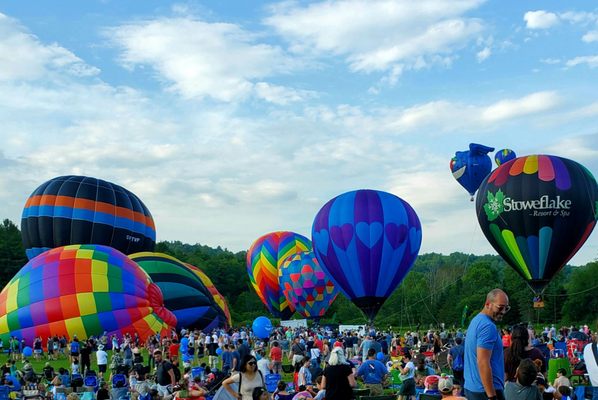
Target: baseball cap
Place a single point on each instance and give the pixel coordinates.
(445, 384)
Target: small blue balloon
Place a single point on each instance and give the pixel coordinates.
(27, 351)
(262, 327)
(470, 167)
(380, 356)
(218, 351)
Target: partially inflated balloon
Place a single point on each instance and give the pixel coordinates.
(82, 210)
(470, 167)
(536, 212)
(184, 292)
(503, 156)
(366, 240)
(264, 258)
(218, 298)
(306, 286)
(82, 290)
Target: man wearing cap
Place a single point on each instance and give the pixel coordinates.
(165, 378)
(445, 386)
(102, 360)
(484, 371)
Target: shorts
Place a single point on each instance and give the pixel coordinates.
(75, 353)
(408, 387)
(102, 368)
(37, 351)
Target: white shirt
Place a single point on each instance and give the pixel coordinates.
(102, 357)
(263, 365)
(591, 364)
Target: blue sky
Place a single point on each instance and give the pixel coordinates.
(233, 119)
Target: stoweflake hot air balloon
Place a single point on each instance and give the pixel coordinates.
(537, 211)
(504, 155)
(306, 286)
(264, 258)
(81, 210)
(366, 240)
(185, 295)
(82, 290)
(470, 167)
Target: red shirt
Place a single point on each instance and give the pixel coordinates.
(319, 344)
(276, 354)
(173, 350)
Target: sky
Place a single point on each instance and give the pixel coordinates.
(232, 119)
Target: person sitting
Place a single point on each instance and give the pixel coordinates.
(56, 383)
(447, 389)
(431, 384)
(48, 372)
(561, 379)
(523, 388)
(281, 392)
(259, 393)
(563, 393)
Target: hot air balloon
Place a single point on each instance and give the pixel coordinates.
(366, 240)
(504, 155)
(264, 258)
(537, 211)
(82, 210)
(82, 290)
(470, 167)
(184, 292)
(218, 298)
(306, 286)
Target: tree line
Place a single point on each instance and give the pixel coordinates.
(436, 290)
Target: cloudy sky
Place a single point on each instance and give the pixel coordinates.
(231, 119)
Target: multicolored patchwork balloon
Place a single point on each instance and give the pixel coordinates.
(264, 258)
(184, 292)
(503, 156)
(82, 290)
(306, 286)
(81, 210)
(366, 240)
(218, 298)
(537, 211)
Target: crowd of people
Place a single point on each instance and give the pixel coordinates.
(299, 364)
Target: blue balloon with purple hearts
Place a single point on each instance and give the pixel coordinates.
(470, 167)
(366, 241)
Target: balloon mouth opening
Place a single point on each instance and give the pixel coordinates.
(369, 305)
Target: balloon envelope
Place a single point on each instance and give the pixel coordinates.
(537, 211)
(366, 240)
(306, 286)
(264, 258)
(82, 290)
(262, 327)
(470, 167)
(184, 293)
(503, 156)
(81, 210)
(216, 295)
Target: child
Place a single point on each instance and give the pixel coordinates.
(561, 379)
(563, 393)
(75, 366)
(281, 392)
(524, 388)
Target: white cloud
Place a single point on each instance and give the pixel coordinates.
(24, 57)
(590, 37)
(513, 108)
(281, 95)
(377, 36)
(540, 19)
(200, 59)
(483, 54)
(550, 61)
(591, 61)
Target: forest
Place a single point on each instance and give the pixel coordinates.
(447, 289)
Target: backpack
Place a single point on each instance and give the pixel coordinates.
(458, 362)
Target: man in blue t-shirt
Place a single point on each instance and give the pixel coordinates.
(373, 373)
(484, 364)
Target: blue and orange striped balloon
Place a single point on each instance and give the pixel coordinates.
(81, 210)
(82, 290)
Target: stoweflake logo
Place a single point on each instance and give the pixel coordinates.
(543, 207)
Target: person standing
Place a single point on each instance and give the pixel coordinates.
(484, 371)
(102, 360)
(164, 374)
(373, 373)
(338, 379)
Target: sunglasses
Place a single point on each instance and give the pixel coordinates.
(251, 363)
(504, 309)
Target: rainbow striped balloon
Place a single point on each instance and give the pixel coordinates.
(82, 290)
(264, 258)
(82, 210)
